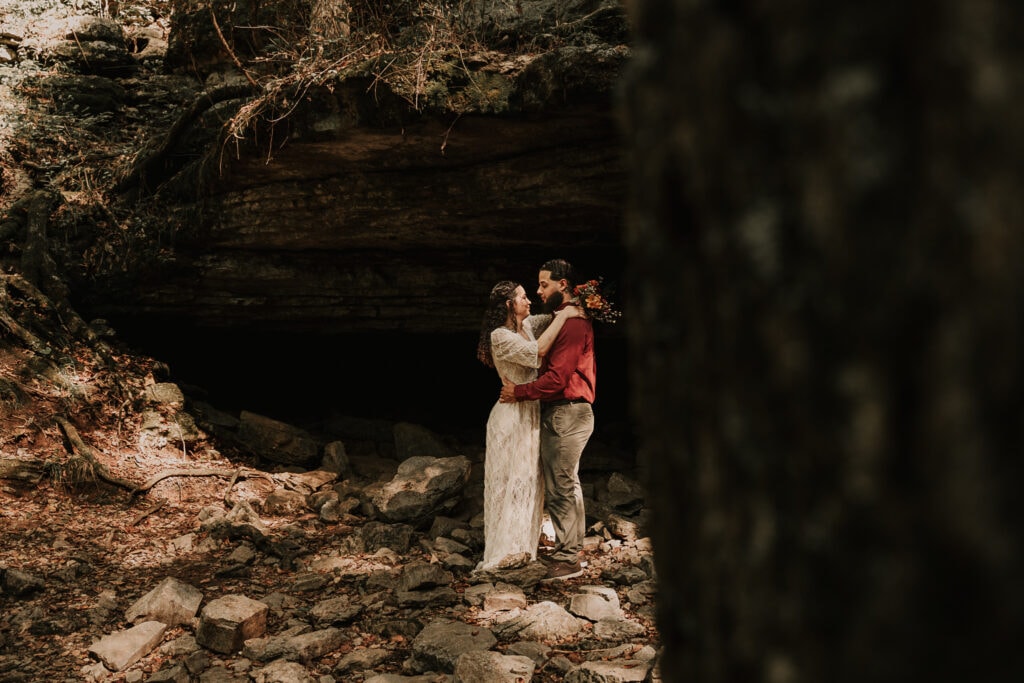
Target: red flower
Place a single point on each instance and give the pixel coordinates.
(593, 302)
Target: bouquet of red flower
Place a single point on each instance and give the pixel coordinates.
(595, 303)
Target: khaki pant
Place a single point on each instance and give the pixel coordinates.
(564, 432)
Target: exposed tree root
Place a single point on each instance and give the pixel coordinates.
(204, 472)
(22, 470)
(11, 327)
(144, 173)
(75, 444)
(36, 264)
(231, 485)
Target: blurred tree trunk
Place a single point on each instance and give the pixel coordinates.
(825, 321)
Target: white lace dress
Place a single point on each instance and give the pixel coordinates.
(513, 484)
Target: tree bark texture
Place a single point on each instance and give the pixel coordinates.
(825, 319)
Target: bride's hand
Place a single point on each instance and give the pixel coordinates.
(573, 311)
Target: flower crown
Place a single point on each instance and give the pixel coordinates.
(596, 304)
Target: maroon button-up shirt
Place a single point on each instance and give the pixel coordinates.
(569, 370)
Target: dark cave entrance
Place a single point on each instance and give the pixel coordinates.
(302, 378)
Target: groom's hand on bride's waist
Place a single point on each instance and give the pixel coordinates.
(508, 391)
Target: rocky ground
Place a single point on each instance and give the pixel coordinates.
(356, 565)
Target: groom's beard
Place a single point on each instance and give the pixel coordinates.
(553, 302)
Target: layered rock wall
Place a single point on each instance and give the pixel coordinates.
(362, 210)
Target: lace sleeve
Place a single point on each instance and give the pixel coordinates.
(538, 323)
(508, 346)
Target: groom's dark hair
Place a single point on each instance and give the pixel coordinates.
(561, 270)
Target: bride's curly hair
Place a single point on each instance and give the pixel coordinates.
(498, 306)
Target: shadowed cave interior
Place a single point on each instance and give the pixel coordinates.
(302, 378)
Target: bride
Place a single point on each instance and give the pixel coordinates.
(513, 485)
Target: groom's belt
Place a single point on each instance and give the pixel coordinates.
(564, 402)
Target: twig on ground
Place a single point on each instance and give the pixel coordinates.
(147, 513)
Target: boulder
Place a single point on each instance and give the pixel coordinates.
(226, 623)
(172, 602)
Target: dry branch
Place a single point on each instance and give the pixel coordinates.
(147, 513)
(234, 57)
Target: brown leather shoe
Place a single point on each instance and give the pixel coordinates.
(559, 571)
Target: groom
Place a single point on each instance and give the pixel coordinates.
(565, 388)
